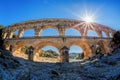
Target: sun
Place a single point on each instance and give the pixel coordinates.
(88, 19)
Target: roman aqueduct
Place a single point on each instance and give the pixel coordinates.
(61, 42)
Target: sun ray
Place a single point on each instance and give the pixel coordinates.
(91, 25)
(79, 24)
(85, 29)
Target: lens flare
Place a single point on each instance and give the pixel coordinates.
(88, 19)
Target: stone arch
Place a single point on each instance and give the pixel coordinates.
(103, 46)
(46, 43)
(107, 34)
(15, 34)
(110, 35)
(104, 34)
(28, 33)
(72, 32)
(18, 50)
(76, 50)
(54, 31)
(43, 44)
(85, 47)
(92, 33)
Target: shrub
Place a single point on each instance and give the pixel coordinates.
(80, 56)
(23, 49)
(48, 53)
(116, 38)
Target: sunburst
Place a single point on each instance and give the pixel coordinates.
(88, 19)
(87, 23)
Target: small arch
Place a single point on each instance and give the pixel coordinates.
(75, 53)
(92, 33)
(15, 34)
(72, 32)
(49, 32)
(110, 35)
(104, 34)
(29, 33)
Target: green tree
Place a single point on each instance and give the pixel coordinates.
(23, 49)
(116, 39)
(115, 42)
(1, 26)
(80, 56)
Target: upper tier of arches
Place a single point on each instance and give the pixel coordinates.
(60, 25)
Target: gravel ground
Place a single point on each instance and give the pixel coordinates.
(106, 68)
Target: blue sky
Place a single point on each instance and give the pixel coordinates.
(106, 12)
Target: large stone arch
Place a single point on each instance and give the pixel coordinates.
(85, 47)
(43, 44)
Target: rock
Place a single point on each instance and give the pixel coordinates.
(105, 68)
(54, 72)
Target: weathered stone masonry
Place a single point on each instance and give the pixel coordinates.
(61, 42)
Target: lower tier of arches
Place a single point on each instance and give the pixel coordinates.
(32, 48)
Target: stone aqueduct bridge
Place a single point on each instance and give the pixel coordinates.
(61, 42)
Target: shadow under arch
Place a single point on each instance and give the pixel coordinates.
(43, 44)
(6, 45)
(85, 47)
(103, 46)
(18, 45)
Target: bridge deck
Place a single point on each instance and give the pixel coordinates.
(80, 37)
